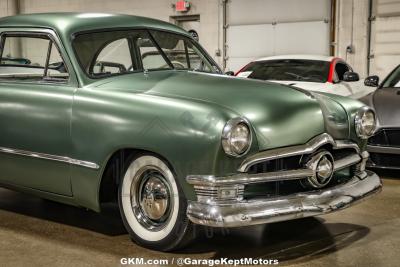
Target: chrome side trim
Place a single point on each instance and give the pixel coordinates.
(245, 178)
(383, 149)
(305, 204)
(308, 148)
(82, 163)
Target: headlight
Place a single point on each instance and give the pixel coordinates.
(365, 123)
(236, 137)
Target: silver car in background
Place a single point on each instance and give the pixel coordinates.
(384, 146)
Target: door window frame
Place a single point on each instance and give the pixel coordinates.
(53, 38)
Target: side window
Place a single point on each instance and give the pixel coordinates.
(182, 53)
(150, 55)
(197, 60)
(56, 66)
(115, 57)
(393, 79)
(31, 57)
(175, 49)
(340, 70)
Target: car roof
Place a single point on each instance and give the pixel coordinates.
(305, 57)
(68, 23)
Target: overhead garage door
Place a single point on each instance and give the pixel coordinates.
(385, 37)
(259, 28)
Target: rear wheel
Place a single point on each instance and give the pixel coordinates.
(153, 206)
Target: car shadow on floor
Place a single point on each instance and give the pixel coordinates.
(285, 241)
(290, 240)
(108, 222)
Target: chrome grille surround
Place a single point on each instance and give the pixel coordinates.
(218, 208)
(207, 185)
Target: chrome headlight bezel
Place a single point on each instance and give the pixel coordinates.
(227, 135)
(358, 122)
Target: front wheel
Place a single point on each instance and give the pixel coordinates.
(153, 206)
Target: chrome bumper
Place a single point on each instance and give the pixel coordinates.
(241, 212)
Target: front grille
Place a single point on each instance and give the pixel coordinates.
(386, 137)
(285, 171)
(281, 164)
(289, 187)
(294, 162)
(385, 160)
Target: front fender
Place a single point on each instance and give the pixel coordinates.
(351, 107)
(185, 132)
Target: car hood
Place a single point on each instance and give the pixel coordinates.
(312, 86)
(280, 115)
(301, 84)
(353, 90)
(385, 102)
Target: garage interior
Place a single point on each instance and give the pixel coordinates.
(366, 33)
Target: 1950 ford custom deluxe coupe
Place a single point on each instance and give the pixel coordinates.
(97, 108)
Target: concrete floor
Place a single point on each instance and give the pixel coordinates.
(36, 232)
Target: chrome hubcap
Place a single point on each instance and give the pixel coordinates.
(154, 198)
(151, 198)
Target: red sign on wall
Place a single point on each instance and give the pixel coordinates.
(182, 6)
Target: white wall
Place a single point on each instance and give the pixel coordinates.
(352, 30)
(260, 28)
(8, 7)
(385, 36)
(352, 25)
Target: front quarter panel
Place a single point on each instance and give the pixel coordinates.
(185, 132)
(351, 108)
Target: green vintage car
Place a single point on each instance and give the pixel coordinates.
(86, 121)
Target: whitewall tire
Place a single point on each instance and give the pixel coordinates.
(152, 205)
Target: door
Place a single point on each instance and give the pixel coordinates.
(385, 37)
(35, 113)
(276, 27)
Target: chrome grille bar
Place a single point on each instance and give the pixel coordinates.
(268, 176)
(308, 148)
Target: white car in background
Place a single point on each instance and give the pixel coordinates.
(309, 72)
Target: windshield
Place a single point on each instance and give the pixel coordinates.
(103, 54)
(288, 70)
(393, 80)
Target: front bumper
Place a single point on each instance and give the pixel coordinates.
(242, 213)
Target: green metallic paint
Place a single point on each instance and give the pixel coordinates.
(176, 114)
(351, 107)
